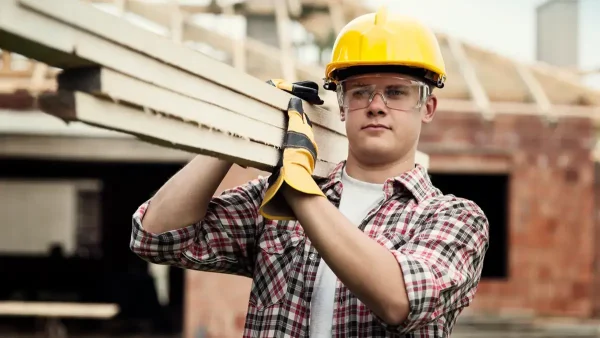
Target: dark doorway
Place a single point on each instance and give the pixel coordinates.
(490, 192)
(112, 273)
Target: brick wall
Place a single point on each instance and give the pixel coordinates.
(550, 223)
(596, 216)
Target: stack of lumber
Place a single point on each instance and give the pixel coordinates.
(122, 77)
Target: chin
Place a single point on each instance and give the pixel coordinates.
(375, 154)
(377, 145)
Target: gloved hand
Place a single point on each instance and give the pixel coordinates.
(296, 165)
(306, 90)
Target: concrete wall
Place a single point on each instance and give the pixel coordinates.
(551, 233)
(36, 214)
(558, 32)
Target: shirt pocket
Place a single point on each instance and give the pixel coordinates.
(279, 250)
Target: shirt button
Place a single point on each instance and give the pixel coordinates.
(312, 257)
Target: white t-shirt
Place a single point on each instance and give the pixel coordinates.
(358, 198)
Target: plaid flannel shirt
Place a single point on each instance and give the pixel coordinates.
(438, 240)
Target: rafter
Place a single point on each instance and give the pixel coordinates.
(466, 69)
(536, 91)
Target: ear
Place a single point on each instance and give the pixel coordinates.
(430, 107)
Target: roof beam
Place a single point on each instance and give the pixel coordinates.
(470, 75)
(536, 91)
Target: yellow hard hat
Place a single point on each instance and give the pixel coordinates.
(385, 39)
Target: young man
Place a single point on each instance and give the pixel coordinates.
(374, 250)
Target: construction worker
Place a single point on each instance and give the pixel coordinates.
(374, 249)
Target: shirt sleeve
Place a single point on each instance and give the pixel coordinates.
(442, 264)
(222, 242)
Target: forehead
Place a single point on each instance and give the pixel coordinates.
(381, 79)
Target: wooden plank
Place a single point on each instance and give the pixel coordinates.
(235, 118)
(263, 56)
(59, 309)
(79, 106)
(131, 50)
(238, 117)
(133, 54)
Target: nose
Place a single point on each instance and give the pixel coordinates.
(377, 105)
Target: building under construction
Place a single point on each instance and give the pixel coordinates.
(518, 139)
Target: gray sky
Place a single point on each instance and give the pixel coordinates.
(514, 33)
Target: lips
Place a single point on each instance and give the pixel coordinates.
(375, 126)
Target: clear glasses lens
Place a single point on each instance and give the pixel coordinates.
(397, 93)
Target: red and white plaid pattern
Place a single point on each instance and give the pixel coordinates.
(439, 241)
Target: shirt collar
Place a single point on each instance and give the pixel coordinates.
(416, 181)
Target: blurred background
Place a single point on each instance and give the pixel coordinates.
(516, 132)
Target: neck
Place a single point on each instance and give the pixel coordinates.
(379, 172)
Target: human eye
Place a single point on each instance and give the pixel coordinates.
(397, 92)
(360, 93)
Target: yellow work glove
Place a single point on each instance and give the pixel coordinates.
(306, 90)
(296, 165)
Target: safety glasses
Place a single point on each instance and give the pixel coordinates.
(399, 93)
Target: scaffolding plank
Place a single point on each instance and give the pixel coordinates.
(96, 111)
(263, 125)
